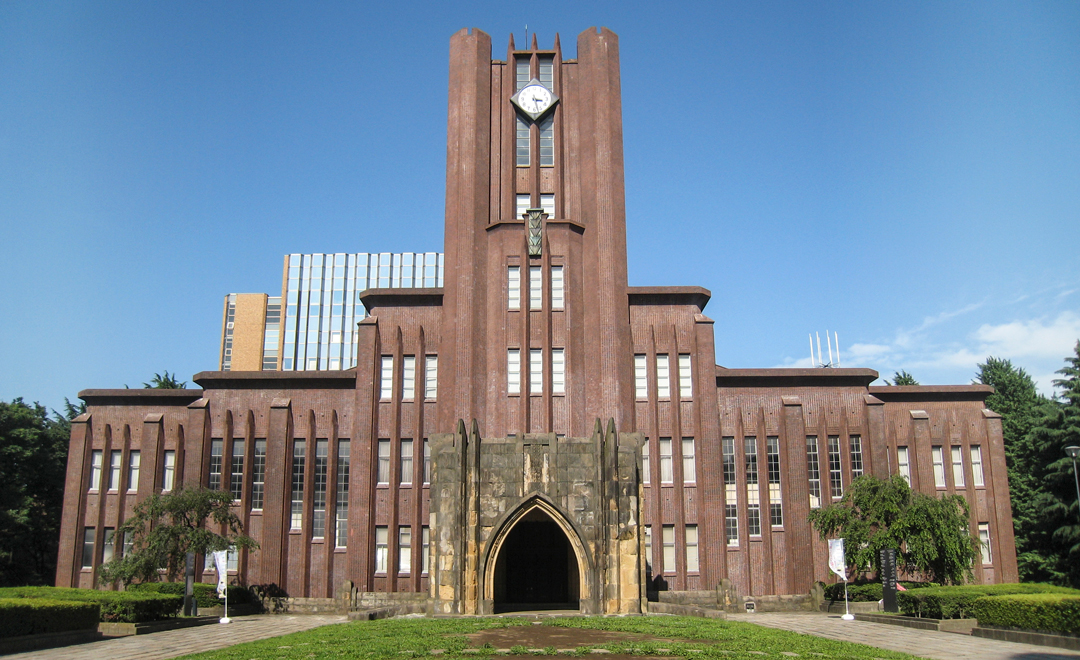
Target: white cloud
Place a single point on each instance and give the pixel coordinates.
(1032, 338)
(867, 351)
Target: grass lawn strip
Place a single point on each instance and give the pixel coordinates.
(678, 637)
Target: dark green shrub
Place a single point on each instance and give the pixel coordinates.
(205, 594)
(116, 606)
(956, 602)
(33, 616)
(861, 591)
(1056, 613)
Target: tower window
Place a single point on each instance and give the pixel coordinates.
(523, 148)
(236, 469)
(689, 466)
(431, 374)
(406, 461)
(536, 287)
(641, 377)
(558, 371)
(686, 382)
(558, 293)
(547, 140)
(513, 280)
(547, 202)
(522, 72)
(523, 202)
(408, 377)
(383, 474)
(547, 72)
(386, 380)
(513, 371)
(666, 475)
(536, 371)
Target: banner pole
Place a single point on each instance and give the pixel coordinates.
(848, 616)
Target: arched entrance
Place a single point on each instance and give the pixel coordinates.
(536, 567)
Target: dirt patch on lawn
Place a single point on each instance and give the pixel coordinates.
(540, 636)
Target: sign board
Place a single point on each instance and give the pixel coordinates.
(888, 579)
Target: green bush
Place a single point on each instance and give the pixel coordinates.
(863, 592)
(116, 606)
(33, 616)
(956, 602)
(205, 594)
(1056, 613)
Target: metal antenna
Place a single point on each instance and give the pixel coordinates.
(526, 35)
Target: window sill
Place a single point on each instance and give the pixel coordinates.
(294, 530)
(318, 539)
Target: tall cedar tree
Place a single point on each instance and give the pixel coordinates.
(902, 377)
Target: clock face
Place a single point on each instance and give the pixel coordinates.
(534, 99)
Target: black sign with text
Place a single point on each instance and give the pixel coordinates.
(888, 580)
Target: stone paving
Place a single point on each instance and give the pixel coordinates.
(924, 643)
(173, 643)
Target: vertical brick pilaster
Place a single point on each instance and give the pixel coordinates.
(276, 493)
(78, 471)
(1003, 542)
(796, 497)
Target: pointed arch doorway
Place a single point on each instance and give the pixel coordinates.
(536, 566)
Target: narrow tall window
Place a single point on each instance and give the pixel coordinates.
(731, 512)
(297, 507)
(524, 141)
(108, 548)
(856, 456)
(383, 476)
(258, 474)
(663, 376)
(386, 381)
(547, 203)
(836, 481)
(318, 490)
(523, 72)
(558, 371)
(215, 464)
(984, 544)
(558, 288)
(977, 467)
(382, 548)
(406, 461)
(645, 464)
(425, 548)
(427, 461)
(772, 462)
(169, 476)
(115, 459)
(95, 469)
(689, 465)
(513, 281)
(88, 547)
(547, 142)
(648, 548)
(536, 371)
(691, 549)
(666, 472)
(753, 494)
(536, 287)
(938, 459)
(686, 382)
(958, 466)
(731, 524)
(134, 461)
(813, 471)
(431, 376)
(524, 201)
(341, 533)
(404, 547)
(641, 377)
(513, 371)
(668, 539)
(127, 545)
(236, 469)
(408, 377)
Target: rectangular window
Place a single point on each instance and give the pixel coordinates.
(938, 460)
(524, 201)
(406, 461)
(813, 471)
(836, 481)
(115, 459)
(536, 371)
(547, 144)
(318, 494)
(646, 466)
(691, 549)
(686, 382)
(427, 461)
(984, 544)
(258, 475)
(856, 456)
(169, 476)
(523, 72)
(977, 466)
(108, 548)
(404, 550)
(425, 548)
(513, 280)
(88, 547)
(753, 494)
(236, 469)
(383, 476)
(513, 371)
(958, 466)
(382, 549)
(772, 464)
(731, 524)
(297, 508)
(547, 203)
(341, 502)
(668, 539)
(689, 465)
(558, 288)
(731, 512)
(523, 142)
(648, 548)
(666, 472)
(408, 377)
(641, 377)
(386, 382)
(431, 378)
(134, 461)
(903, 463)
(95, 469)
(536, 287)
(558, 371)
(127, 545)
(663, 377)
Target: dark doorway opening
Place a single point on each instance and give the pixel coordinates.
(536, 568)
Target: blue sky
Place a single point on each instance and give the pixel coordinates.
(906, 175)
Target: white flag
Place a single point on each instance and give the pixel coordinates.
(836, 558)
(221, 563)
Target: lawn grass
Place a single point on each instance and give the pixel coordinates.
(394, 639)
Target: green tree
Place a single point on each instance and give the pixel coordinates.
(166, 382)
(33, 462)
(165, 527)
(930, 534)
(902, 377)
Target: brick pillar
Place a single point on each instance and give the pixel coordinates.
(796, 491)
(1001, 527)
(68, 561)
(276, 494)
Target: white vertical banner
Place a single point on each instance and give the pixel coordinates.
(836, 558)
(221, 563)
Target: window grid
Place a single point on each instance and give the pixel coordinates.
(648, 548)
(215, 464)
(108, 547)
(903, 464)
(984, 544)
(134, 461)
(524, 140)
(341, 501)
(547, 141)
(408, 377)
(689, 464)
(668, 540)
(836, 480)
(383, 475)
(938, 460)
(116, 457)
(958, 466)
(536, 287)
(686, 382)
(88, 547)
(236, 470)
(666, 471)
(663, 377)
(406, 461)
(96, 459)
(855, 442)
(382, 548)
(318, 495)
(691, 549)
(427, 461)
(536, 371)
(558, 288)
(753, 495)
(386, 380)
(978, 479)
(513, 371)
(431, 377)
(645, 464)
(169, 473)
(641, 377)
(258, 474)
(772, 466)
(296, 511)
(813, 471)
(731, 512)
(404, 550)
(513, 281)
(425, 548)
(558, 371)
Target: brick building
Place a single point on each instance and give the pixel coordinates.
(534, 431)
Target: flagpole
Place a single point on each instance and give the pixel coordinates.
(848, 616)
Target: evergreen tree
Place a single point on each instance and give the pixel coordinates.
(166, 382)
(902, 377)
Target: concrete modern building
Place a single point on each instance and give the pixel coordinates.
(534, 431)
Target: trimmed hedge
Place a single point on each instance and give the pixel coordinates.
(205, 594)
(116, 606)
(34, 616)
(1055, 613)
(864, 592)
(956, 602)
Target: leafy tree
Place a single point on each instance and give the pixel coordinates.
(166, 382)
(33, 462)
(165, 527)
(902, 377)
(930, 534)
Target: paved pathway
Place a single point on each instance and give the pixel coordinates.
(925, 643)
(173, 643)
